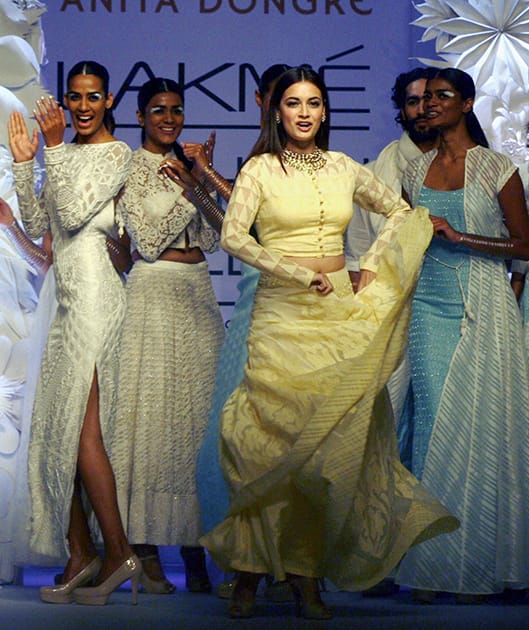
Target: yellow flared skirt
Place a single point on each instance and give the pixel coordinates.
(307, 440)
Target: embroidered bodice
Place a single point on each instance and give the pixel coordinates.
(81, 183)
(299, 214)
(156, 213)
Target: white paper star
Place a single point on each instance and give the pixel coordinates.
(482, 37)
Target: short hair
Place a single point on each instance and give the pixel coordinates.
(398, 91)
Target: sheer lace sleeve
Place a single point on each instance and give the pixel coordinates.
(374, 195)
(238, 220)
(78, 198)
(207, 235)
(154, 209)
(209, 218)
(33, 209)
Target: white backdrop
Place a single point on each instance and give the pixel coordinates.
(216, 48)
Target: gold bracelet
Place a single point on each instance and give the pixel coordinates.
(222, 186)
(214, 215)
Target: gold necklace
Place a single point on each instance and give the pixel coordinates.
(304, 162)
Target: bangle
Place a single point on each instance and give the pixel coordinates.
(31, 253)
(468, 239)
(214, 215)
(222, 186)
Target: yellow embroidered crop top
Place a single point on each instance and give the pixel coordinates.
(297, 214)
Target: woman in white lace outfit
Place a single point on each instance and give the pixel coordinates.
(76, 389)
(172, 334)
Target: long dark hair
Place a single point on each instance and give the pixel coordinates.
(271, 74)
(464, 84)
(273, 138)
(92, 67)
(148, 90)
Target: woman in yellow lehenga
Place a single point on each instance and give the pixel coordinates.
(307, 439)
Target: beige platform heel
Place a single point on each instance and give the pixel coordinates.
(98, 595)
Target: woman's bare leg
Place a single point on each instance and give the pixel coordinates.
(98, 480)
(82, 548)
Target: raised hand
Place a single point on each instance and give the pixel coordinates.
(51, 119)
(209, 146)
(22, 146)
(200, 154)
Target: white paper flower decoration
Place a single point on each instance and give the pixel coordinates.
(21, 55)
(22, 18)
(482, 37)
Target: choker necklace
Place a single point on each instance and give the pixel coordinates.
(304, 162)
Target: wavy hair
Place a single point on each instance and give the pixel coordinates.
(398, 91)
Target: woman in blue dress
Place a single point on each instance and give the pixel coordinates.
(465, 432)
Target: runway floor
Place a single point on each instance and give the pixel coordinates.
(21, 609)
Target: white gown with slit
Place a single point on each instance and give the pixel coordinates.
(78, 205)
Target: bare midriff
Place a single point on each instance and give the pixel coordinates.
(327, 264)
(190, 256)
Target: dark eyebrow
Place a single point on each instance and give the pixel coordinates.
(92, 92)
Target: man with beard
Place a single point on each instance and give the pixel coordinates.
(407, 95)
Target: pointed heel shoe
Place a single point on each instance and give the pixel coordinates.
(63, 593)
(98, 595)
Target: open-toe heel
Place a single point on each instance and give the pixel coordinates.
(242, 604)
(152, 585)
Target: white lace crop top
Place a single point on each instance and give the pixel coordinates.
(156, 213)
(297, 214)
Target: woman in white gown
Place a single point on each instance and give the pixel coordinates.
(76, 389)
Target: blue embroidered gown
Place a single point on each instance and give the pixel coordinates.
(469, 432)
(437, 316)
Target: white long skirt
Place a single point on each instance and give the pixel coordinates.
(171, 340)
